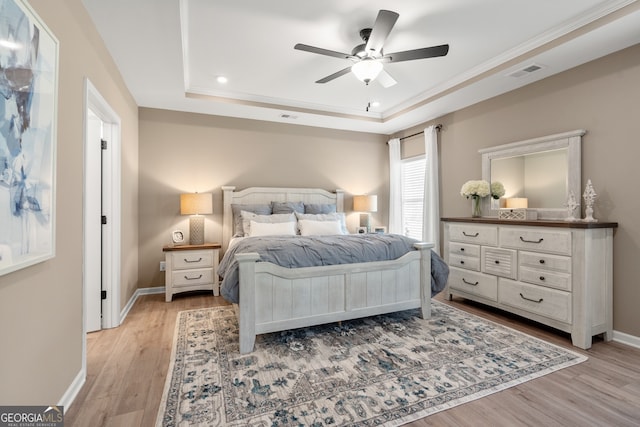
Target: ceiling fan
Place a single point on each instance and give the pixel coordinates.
(369, 57)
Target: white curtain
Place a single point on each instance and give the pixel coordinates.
(395, 187)
(431, 207)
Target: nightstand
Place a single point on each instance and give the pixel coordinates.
(191, 268)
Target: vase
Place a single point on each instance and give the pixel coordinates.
(476, 207)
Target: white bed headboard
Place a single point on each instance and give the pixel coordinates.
(268, 194)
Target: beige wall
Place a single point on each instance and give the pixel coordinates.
(601, 97)
(41, 306)
(182, 152)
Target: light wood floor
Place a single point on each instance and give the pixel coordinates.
(127, 368)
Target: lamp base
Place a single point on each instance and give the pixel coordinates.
(365, 221)
(196, 230)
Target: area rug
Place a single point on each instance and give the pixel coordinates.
(384, 370)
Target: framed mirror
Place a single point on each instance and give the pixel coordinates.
(537, 173)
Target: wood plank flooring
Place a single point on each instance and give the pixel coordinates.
(127, 367)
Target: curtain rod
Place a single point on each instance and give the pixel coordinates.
(438, 128)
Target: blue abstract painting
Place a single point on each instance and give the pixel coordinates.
(28, 102)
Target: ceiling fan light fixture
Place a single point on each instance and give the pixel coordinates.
(367, 70)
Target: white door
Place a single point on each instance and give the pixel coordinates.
(92, 224)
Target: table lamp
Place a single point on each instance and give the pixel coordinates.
(196, 205)
(366, 204)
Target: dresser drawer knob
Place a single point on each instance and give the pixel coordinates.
(532, 300)
(193, 278)
(497, 261)
(193, 260)
(531, 241)
(469, 283)
(461, 249)
(541, 261)
(542, 278)
(470, 235)
(461, 262)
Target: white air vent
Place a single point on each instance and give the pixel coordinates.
(288, 116)
(526, 70)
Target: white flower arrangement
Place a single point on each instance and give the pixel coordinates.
(497, 189)
(475, 189)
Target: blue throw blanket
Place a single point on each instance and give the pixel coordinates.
(311, 251)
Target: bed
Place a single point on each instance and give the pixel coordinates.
(275, 298)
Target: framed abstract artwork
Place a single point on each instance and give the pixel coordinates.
(28, 118)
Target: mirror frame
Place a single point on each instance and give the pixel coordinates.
(570, 140)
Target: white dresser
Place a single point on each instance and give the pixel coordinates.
(554, 272)
(191, 268)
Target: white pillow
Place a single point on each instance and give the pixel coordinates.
(247, 217)
(272, 229)
(309, 227)
(336, 216)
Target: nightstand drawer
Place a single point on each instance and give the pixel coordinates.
(200, 276)
(192, 259)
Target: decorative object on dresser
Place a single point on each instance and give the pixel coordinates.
(557, 273)
(196, 205)
(589, 196)
(365, 204)
(572, 204)
(476, 190)
(516, 208)
(386, 370)
(191, 268)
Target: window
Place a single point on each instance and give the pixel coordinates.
(413, 170)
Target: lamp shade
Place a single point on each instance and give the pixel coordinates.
(196, 203)
(365, 203)
(367, 69)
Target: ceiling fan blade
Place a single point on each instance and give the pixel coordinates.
(381, 28)
(335, 75)
(385, 79)
(409, 55)
(321, 51)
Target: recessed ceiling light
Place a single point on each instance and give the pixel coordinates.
(375, 104)
(222, 79)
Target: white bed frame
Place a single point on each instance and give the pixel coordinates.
(274, 298)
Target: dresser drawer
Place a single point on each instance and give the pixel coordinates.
(474, 283)
(550, 303)
(464, 249)
(192, 259)
(501, 262)
(474, 233)
(546, 278)
(469, 263)
(194, 277)
(540, 261)
(536, 239)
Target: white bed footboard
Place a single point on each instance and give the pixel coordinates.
(274, 298)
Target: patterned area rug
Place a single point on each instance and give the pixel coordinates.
(383, 370)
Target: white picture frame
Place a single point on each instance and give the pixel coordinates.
(27, 138)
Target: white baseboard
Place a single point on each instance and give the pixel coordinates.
(73, 390)
(627, 339)
(135, 296)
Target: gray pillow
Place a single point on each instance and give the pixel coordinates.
(286, 207)
(236, 208)
(319, 208)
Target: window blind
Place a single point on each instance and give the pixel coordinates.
(413, 171)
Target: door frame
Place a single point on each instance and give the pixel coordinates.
(111, 206)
